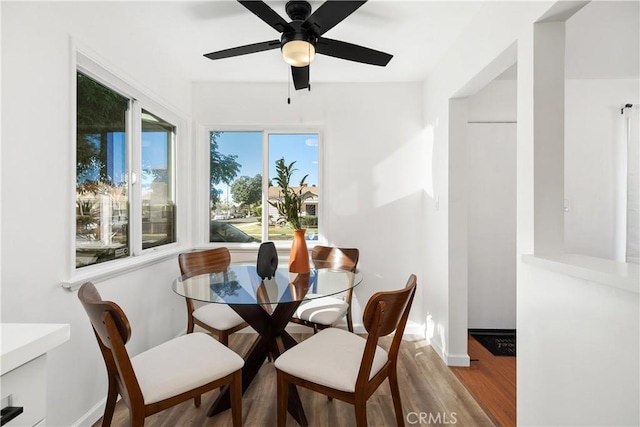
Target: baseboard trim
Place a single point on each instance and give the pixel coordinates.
(438, 348)
(450, 359)
(93, 415)
(458, 360)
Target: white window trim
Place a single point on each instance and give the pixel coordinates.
(202, 207)
(83, 60)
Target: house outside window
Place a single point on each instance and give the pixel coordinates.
(123, 206)
(242, 168)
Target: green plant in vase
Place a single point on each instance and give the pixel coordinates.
(289, 206)
(290, 203)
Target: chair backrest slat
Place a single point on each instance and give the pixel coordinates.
(385, 312)
(335, 258)
(97, 309)
(395, 305)
(207, 261)
(112, 330)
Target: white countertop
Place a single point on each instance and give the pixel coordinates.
(619, 275)
(23, 342)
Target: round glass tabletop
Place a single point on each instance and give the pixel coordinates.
(240, 284)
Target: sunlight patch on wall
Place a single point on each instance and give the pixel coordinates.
(403, 172)
(441, 336)
(430, 327)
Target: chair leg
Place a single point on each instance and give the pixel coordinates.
(395, 395)
(349, 320)
(190, 324)
(283, 388)
(136, 417)
(197, 401)
(360, 406)
(223, 337)
(236, 399)
(112, 396)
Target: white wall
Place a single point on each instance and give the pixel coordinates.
(595, 135)
(481, 53)
(492, 226)
(491, 151)
(578, 352)
(594, 378)
(496, 102)
(602, 67)
(372, 168)
(38, 196)
(548, 304)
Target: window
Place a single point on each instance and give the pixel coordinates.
(158, 215)
(106, 198)
(239, 195)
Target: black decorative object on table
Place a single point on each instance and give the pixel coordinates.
(267, 260)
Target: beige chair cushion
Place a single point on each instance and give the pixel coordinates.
(218, 316)
(182, 364)
(324, 310)
(331, 358)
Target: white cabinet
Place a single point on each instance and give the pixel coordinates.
(23, 364)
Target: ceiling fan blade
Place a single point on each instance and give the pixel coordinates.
(243, 50)
(300, 77)
(352, 52)
(268, 15)
(329, 14)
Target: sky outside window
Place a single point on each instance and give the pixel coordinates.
(303, 148)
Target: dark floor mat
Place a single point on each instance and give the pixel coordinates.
(499, 343)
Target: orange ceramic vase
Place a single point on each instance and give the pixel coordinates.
(299, 256)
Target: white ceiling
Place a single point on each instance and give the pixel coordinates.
(417, 33)
(602, 39)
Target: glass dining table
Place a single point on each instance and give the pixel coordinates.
(266, 305)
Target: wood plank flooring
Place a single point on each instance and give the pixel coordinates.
(492, 381)
(429, 389)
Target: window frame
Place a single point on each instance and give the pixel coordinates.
(139, 100)
(203, 170)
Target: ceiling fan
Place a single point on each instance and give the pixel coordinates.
(302, 38)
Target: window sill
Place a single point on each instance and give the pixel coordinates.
(619, 275)
(102, 272)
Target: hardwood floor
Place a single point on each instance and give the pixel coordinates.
(430, 392)
(492, 381)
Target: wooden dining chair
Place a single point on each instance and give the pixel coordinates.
(218, 319)
(346, 366)
(173, 372)
(324, 312)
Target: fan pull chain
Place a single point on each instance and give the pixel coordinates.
(309, 56)
(288, 87)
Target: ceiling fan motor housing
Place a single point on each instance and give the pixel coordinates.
(298, 10)
(298, 33)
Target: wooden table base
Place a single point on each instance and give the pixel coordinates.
(273, 340)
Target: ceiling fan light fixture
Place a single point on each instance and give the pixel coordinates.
(298, 53)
